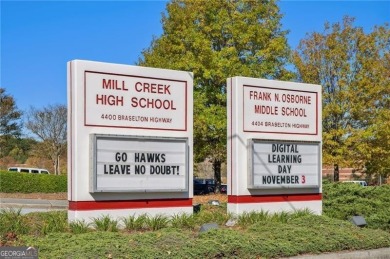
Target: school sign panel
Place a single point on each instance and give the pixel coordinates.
(139, 164)
(274, 145)
(276, 165)
(130, 140)
(135, 101)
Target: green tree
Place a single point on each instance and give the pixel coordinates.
(49, 124)
(216, 40)
(20, 148)
(9, 122)
(353, 68)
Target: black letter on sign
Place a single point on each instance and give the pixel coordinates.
(119, 157)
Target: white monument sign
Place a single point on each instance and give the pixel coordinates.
(274, 145)
(129, 140)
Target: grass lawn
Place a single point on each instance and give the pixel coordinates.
(254, 235)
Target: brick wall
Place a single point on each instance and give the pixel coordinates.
(345, 174)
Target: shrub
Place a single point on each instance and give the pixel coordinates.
(12, 182)
(133, 222)
(79, 226)
(12, 221)
(211, 213)
(250, 218)
(105, 223)
(129, 222)
(54, 222)
(157, 222)
(183, 220)
(342, 201)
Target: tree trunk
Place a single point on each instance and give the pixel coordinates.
(217, 174)
(56, 161)
(58, 164)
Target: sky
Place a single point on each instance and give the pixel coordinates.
(38, 38)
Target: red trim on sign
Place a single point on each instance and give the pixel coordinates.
(274, 198)
(132, 204)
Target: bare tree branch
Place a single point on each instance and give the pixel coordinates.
(50, 125)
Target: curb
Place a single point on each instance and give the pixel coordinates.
(381, 253)
(33, 204)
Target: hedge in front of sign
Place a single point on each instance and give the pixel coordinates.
(12, 182)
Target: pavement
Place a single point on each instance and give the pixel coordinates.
(381, 253)
(34, 205)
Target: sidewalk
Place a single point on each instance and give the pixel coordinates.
(381, 253)
(31, 205)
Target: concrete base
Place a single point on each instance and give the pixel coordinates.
(118, 214)
(275, 207)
